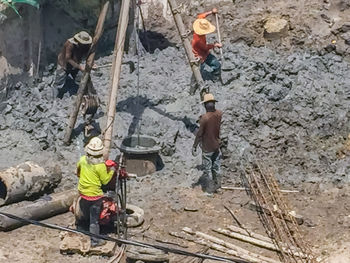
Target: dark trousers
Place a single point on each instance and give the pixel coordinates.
(214, 68)
(211, 162)
(68, 81)
(90, 216)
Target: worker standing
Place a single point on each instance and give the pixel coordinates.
(201, 49)
(92, 173)
(208, 137)
(68, 62)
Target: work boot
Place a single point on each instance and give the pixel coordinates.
(95, 229)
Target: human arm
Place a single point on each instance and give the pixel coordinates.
(69, 57)
(105, 175)
(200, 132)
(211, 12)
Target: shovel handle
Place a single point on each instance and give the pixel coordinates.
(218, 32)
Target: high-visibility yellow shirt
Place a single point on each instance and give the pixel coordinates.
(92, 177)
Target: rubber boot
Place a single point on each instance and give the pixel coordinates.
(95, 229)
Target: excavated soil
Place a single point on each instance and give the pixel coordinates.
(285, 103)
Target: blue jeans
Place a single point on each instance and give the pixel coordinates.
(211, 168)
(215, 66)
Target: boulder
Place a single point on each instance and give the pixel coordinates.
(275, 28)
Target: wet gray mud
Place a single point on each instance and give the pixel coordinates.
(287, 110)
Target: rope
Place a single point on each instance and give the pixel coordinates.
(124, 241)
(137, 39)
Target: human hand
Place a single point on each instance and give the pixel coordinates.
(82, 67)
(214, 11)
(94, 67)
(219, 45)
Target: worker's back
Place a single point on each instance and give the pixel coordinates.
(211, 122)
(92, 177)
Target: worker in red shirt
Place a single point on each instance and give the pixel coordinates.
(201, 49)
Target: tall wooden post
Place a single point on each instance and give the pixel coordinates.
(116, 68)
(186, 42)
(84, 81)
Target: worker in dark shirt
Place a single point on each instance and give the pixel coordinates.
(208, 137)
(68, 62)
(201, 49)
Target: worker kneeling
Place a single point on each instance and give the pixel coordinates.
(93, 174)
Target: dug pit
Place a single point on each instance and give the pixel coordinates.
(141, 154)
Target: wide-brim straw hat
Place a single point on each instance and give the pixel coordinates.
(83, 37)
(94, 147)
(203, 27)
(208, 97)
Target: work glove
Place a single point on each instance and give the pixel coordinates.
(194, 151)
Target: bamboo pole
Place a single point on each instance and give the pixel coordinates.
(252, 234)
(258, 242)
(186, 42)
(246, 189)
(86, 75)
(116, 68)
(247, 254)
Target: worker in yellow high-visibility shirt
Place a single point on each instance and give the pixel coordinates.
(92, 172)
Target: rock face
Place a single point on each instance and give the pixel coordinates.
(275, 28)
(287, 110)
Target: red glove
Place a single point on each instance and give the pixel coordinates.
(110, 163)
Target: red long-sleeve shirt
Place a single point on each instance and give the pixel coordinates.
(200, 48)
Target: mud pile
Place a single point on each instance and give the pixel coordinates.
(290, 111)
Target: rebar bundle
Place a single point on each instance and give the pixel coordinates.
(277, 216)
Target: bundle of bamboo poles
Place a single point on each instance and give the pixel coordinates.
(275, 215)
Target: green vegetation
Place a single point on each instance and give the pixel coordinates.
(11, 3)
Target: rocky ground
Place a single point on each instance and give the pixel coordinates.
(286, 105)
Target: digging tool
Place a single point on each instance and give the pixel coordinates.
(219, 35)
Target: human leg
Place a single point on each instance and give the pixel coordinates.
(216, 169)
(207, 170)
(215, 66)
(95, 210)
(60, 81)
(82, 222)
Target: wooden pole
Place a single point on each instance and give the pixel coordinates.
(116, 68)
(248, 255)
(258, 242)
(219, 35)
(186, 42)
(86, 75)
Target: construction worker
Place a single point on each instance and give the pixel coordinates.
(201, 49)
(92, 172)
(208, 137)
(68, 63)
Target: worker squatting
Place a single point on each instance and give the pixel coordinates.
(93, 171)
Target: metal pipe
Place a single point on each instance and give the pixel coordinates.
(24, 181)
